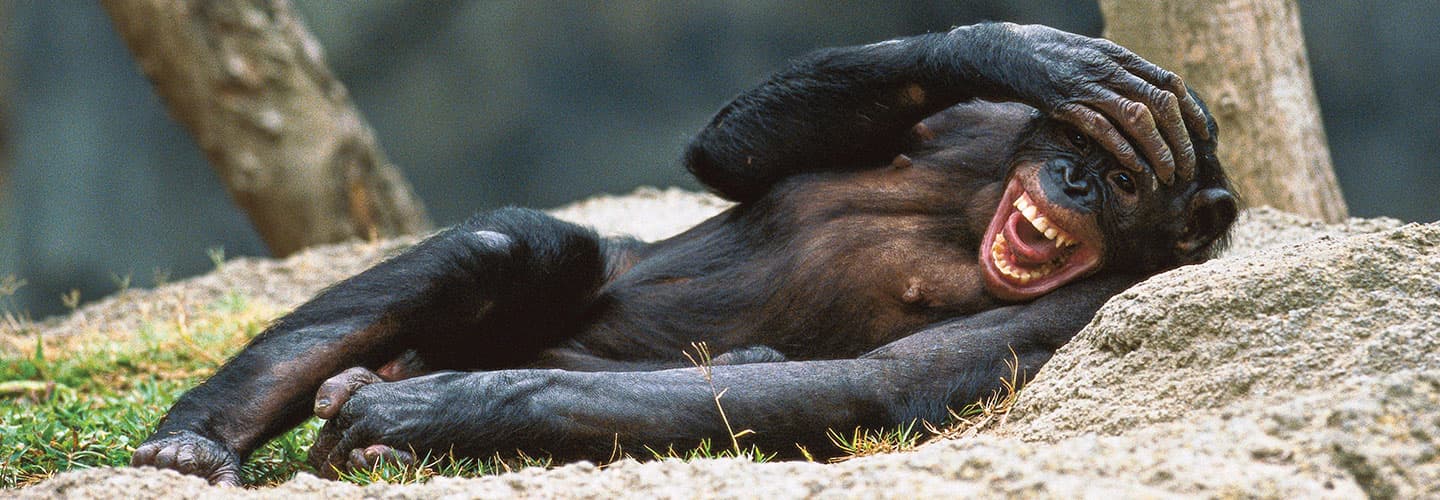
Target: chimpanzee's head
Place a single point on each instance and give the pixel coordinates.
(1070, 210)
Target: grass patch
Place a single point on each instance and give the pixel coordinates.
(86, 400)
(448, 465)
(867, 442)
(706, 450)
(985, 414)
(69, 430)
(961, 424)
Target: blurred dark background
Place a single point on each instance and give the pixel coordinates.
(539, 103)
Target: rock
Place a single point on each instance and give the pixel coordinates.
(1265, 324)
(1302, 363)
(1321, 353)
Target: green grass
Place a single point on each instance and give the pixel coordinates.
(706, 449)
(69, 430)
(86, 400)
(446, 465)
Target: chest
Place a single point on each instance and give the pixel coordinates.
(826, 267)
(845, 291)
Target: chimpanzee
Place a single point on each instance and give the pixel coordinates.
(913, 215)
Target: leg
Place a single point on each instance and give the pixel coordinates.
(490, 293)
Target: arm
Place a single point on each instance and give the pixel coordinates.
(583, 415)
(851, 107)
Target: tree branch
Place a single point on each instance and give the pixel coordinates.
(249, 82)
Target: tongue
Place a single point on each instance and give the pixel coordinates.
(1030, 247)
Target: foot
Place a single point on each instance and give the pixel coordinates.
(190, 453)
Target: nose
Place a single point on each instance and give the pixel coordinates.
(1071, 178)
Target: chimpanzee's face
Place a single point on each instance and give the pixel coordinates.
(1069, 209)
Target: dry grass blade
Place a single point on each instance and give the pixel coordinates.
(12, 322)
(703, 361)
(867, 442)
(964, 423)
(985, 414)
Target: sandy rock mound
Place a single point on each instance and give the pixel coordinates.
(1304, 363)
(1268, 325)
(1326, 355)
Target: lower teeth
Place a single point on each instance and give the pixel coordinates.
(998, 252)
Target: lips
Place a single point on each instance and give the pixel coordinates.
(1028, 252)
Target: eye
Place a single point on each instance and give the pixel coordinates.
(1078, 139)
(1123, 181)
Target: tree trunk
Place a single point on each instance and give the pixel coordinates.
(250, 83)
(1247, 59)
(5, 100)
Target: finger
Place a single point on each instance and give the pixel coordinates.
(359, 460)
(1172, 125)
(1190, 110)
(225, 477)
(144, 455)
(337, 390)
(1165, 109)
(397, 456)
(1097, 127)
(325, 442)
(376, 454)
(165, 458)
(187, 459)
(1137, 122)
(339, 457)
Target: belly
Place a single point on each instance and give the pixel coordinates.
(837, 315)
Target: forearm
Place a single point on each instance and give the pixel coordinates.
(851, 107)
(585, 415)
(578, 415)
(835, 108)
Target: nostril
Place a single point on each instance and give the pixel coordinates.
(1075, 182)
(1070, 177)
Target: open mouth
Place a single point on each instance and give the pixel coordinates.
(1028, 251)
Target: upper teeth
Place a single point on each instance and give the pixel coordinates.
(1032, 214)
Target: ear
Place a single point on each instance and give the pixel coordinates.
(1207, 221)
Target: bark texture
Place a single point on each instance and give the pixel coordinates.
(1247, 59)
(5, 100)
(250, 83)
